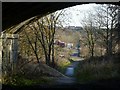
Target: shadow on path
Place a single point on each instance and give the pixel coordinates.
(69, 79)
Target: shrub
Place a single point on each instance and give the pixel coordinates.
(97, 70)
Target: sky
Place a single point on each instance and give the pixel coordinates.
(76, 13)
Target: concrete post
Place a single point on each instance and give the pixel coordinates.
(119, 29)
(0, 64)
(8, 52)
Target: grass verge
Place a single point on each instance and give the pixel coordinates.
(94, 70)
(18, 80)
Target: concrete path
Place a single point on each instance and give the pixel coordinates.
(66, 81)
(69, 79)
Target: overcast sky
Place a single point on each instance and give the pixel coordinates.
(76, 13)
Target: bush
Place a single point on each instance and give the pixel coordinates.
(97, 70)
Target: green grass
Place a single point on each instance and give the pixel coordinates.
(18, 80)
(74, 58)
(63, 65)
(62, 69)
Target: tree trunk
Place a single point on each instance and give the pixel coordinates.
(53, 61)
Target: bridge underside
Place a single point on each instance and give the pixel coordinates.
(15, 12)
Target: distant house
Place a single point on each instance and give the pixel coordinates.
(71, 27)
(69, 45)
(75, 28)
(60, 43)
(63, 44)
(56, 42)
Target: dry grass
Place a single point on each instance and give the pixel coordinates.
(98, 70)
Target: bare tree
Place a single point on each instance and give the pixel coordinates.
(106, 19)
(88, 27)
(44, 30)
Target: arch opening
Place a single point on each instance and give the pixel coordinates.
(48, 40)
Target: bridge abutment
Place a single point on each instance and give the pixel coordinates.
(8, 53)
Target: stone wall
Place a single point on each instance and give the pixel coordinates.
(8, 52)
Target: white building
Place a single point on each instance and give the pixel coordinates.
(69, 45)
